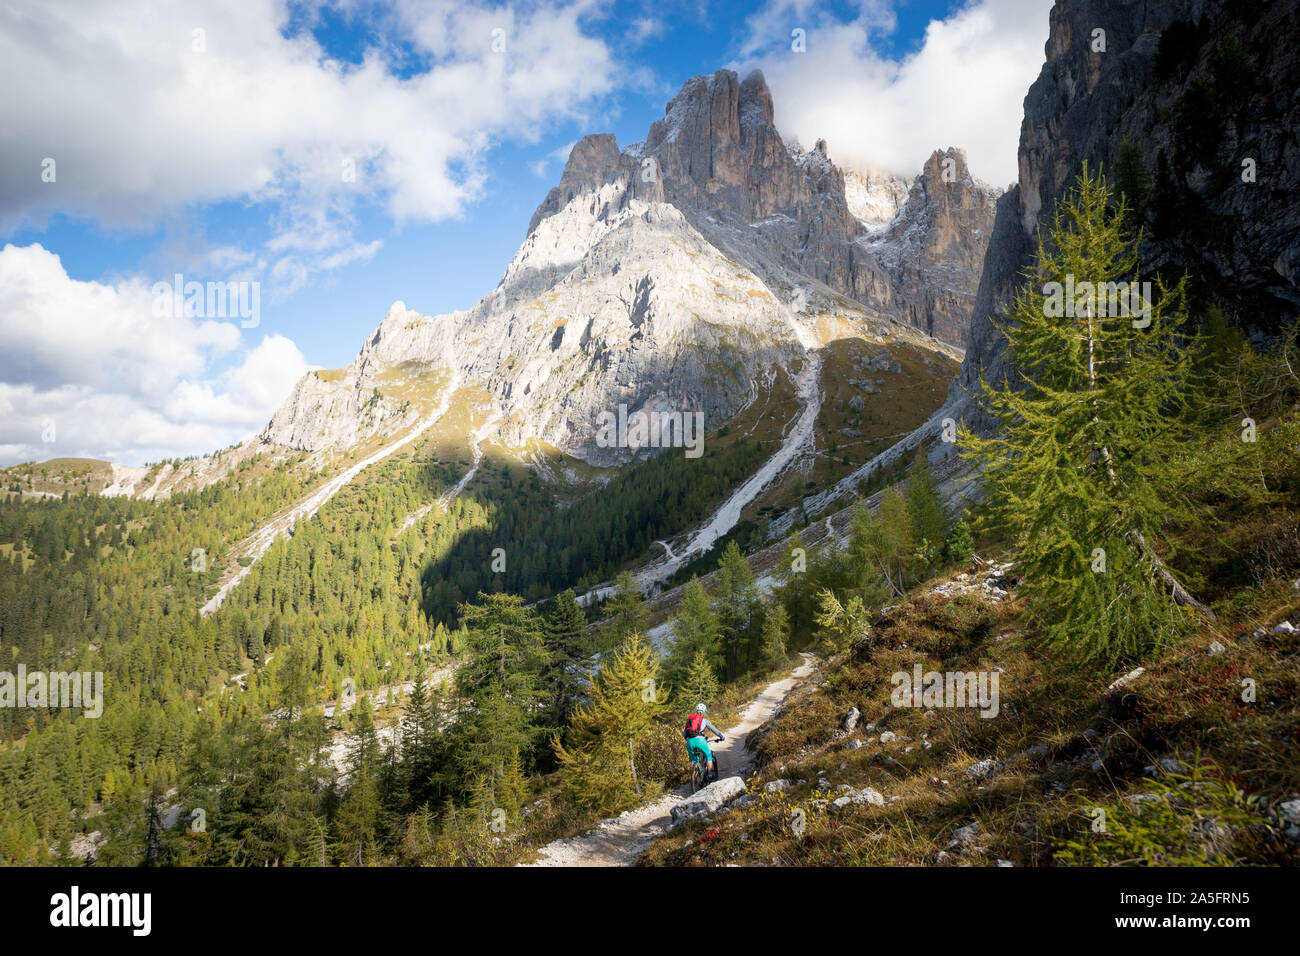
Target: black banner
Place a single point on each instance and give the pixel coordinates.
(380, 906)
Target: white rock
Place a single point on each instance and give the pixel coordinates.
(964, 837)
(708, 801)
(1290, 811)
(869, 795)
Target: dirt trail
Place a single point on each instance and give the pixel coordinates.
(618, 842)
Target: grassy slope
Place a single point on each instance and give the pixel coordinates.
(1090, 749)
(1063, 747)
(59, 475)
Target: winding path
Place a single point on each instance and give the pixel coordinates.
(621, 840)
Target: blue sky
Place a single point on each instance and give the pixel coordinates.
(206, 143)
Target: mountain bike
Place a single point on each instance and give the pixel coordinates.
(699, 773)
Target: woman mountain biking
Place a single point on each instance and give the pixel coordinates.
(697, 741)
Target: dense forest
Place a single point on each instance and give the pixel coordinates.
(354, 595)
(547, 549)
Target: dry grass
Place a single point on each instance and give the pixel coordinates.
(1090, 751)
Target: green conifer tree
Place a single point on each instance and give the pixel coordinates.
(599, 765)
(925, 514)
(625, 612)
(797, 593)
(700, 683)
(776, 634)
(695, 632)
(1086, 423)
(571, 650)
(737, 607)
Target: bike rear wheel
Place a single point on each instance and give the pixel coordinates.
(699, 775)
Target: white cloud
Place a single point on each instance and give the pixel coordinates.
(357, 252)
(118, 380)
(141, 125)
(643, 29)
(964, 87)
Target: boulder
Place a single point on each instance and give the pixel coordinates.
(964, 837)
(1290, 811)
(710, 800)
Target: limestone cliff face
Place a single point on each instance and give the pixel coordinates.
(934, 248)
(784, 211)
(874, 196)
(683, 273)
(1184, 93)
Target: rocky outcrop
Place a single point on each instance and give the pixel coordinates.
(332, 414)
(934, 248)
(685, 274)
(1185, 93)
(874, 197)
(784, 212)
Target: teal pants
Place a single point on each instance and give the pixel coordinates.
(698, 747)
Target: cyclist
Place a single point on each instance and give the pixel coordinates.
(696, 730)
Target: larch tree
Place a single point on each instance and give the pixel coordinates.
(620, 713)
(700, 683)
(736, 605)
(695, 631)
(626, 610)
(1086, 424)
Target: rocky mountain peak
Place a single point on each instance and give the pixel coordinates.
(756, 101)
(783, 211)
(711, 245)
